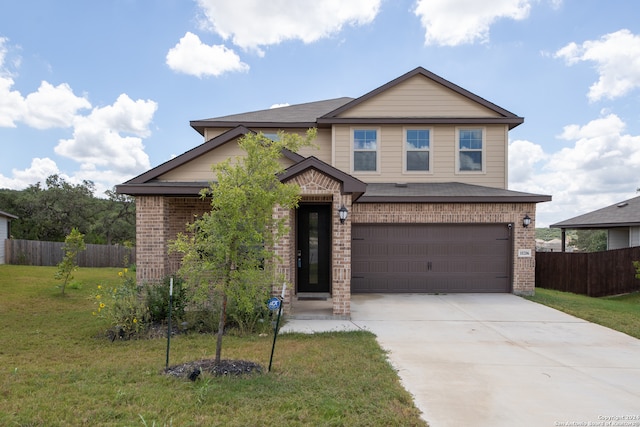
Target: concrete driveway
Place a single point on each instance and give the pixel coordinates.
(499, 360)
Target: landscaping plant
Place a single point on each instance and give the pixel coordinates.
(127, 313)
(73, 245)
(228, 252)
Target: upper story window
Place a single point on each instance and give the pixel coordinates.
(365, 150)
(417, 147)
(470, 150)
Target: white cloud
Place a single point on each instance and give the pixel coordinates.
(523, 157)
(11, 102)
(455, 22)
(107, 143)
(279, 105)
(191, 56)
(49, 107)
(617, 58)
(52, 107)
(252, 24)
(599, 169)
(97, 141)
(38, 171)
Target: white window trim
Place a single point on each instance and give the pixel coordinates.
(484, 150)
(404, 150)
(352, 129)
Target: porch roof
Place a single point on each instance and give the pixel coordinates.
(445, 192)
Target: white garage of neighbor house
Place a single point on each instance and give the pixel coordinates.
(420, 167)
(5, 232)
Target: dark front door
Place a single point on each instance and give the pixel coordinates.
(314, 248)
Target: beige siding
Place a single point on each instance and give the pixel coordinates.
(419, 97)
(199, 169)
(210, 133)
(322, 143)
(443, 150)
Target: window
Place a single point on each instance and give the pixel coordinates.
(470, 150)
(417, 148)
(365, 150)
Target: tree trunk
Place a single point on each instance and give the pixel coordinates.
(221, 323)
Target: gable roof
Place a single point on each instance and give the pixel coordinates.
(445, 192)
(349, 183)
(147, 183)
(505, 116)
(622, 214)
(296, 116)
(327, 112)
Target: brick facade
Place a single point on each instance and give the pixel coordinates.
(320, 188)
(160, 219)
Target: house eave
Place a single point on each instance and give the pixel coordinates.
(596, 226)
(183, 189)
(454, 199)
(200, 126)
(512, 122)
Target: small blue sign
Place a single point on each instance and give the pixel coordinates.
(273, 303)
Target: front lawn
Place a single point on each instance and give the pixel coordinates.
(621, 313)
(57, 369)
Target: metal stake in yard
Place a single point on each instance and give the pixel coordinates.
(169, 329)
(275, 303)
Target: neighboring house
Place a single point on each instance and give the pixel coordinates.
(621, 222)
(5, 231)
(419, 164)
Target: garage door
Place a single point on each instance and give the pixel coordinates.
(391, 258)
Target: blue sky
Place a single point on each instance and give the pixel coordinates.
(105, 90)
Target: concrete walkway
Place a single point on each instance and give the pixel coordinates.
(499, 360)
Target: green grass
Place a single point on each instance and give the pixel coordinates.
(621, 313)
(57, 370)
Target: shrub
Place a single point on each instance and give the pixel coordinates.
(636, 264)
(157, 296)
(127, 313)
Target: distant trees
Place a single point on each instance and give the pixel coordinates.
(49, 212)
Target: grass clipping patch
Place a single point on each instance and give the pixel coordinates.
(192, 370)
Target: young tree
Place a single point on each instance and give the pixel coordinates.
(73, 245)
(228, 251)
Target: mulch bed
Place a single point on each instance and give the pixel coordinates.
(192, 370)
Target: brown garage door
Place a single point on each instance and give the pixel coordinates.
(443, 258)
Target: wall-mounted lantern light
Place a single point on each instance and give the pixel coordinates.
(526, 221)
(343, 212)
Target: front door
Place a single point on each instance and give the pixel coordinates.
(314, 248)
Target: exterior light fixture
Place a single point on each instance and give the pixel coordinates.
(526, 221)
(343, 212)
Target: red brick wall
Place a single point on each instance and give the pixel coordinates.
(159, 219)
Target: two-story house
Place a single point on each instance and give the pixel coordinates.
(407, 192)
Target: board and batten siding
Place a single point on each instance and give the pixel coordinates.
(443, 149)
(419, 97)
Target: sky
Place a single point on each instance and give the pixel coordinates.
(104, 90)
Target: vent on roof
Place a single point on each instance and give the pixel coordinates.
(401, 184)
(622, 205)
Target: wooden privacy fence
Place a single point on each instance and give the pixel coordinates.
(595, 274)
(34, 252)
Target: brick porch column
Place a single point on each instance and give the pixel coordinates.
(151, 239)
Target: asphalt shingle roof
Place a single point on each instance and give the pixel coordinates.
(621, 214)
(307, 112)
(444, 192)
